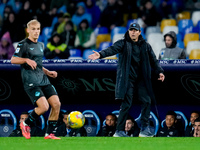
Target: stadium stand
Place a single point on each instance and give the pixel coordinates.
(167, 22)
(194, 54)
(185, 25)
(104, 45)
(190, 37)
(87, 52)
(192, 45)
(116, 37)
(170, 28)
(183, 15)
(152, 29)
(118, 30)
(195, 17)
(102, 38)
(8, 122)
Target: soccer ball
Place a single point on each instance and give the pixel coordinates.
(76, 119)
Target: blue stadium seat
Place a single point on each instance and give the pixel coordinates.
(118, 30)
(101, 30)
(104, 45)
(46, 34)
(8, 122)
(41, 122)
(92, 122)
(153, 120)
(87, 52)
(185, 26)
(180, 117)
(75, 52)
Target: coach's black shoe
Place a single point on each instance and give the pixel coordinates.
(120, 134)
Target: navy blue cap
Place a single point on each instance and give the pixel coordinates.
(135, 26)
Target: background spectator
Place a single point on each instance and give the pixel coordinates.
(69, 34)
(35, 130)
(6, 47)
(85, 37)
(189, 132)
(131, 127)
(94, 11)
(81, 14)
(169, 129)
(171, 51)
(56, 48)
(110, 126)
(197, 127)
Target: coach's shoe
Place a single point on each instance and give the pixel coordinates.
(51, 136)
(25, 130)
(120, 134)
(146, 132)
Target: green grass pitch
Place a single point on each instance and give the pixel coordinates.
(100, 143)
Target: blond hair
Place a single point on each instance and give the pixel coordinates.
(34, 21)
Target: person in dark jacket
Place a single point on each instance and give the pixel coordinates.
(169, 129)
(35, 130)
(171, 51)
(136, 62)
(56, 48)
(189, 131)
(110, 126)
(65, 130)
(131, 127)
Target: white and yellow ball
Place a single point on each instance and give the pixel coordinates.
(76, 119)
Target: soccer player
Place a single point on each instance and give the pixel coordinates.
(29, 54)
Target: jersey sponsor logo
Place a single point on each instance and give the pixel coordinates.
(37, 93)
(31, 48)
(17, 50)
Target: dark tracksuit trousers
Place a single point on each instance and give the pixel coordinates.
(126, 104)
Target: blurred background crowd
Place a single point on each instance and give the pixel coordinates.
(76, 27)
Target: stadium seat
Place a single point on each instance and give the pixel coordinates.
(101, 30)
(118, 30)
(195, 17)
(158, 37)
(8, 122)
(87, 52)
(167, 22)
(185, 26)
(195, 54)
(152, 29)
(183, 15)
(157, 46)
(75, 53)
(170, 28)
(116, 37)
(180, 44)
(181, 118)
(104, 45)
(92, 122)
(192, 45)
(46, 34)
(153, 120)
(190, 37)
(40, 122)
(102, 38)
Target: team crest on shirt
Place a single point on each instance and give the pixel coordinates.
(37, 93)
(17, 50)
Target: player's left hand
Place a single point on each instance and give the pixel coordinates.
(52, 74)
(161, 77)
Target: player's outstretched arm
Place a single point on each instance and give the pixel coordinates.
(94, 56)
(19, 60)
(52, 74)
